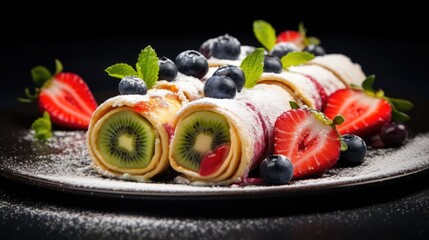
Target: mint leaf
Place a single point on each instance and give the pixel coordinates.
(293, 105)
(58, 66)
(296, 58)
(147, 66)
(42, 127)
(265, 33)
(253, 66)
(368, 83)
(121, 70)
(40, 75)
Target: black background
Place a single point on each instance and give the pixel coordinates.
(386, 43)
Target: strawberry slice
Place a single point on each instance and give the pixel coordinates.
(364, 114)
(212, 160)
(65, 96)
(290, 36)
(308, 139)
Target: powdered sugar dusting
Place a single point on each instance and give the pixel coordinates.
(63, 160)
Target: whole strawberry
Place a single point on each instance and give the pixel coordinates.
(64, 95)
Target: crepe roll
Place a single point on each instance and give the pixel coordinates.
(218, 141)
(129, 135)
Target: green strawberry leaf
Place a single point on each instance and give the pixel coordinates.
(294, 105)
(338, 120)
(296, 58)
(40, 75)
(344, 146)
(401, 104)
(368, 83)
(42, 127)
(307, 40)
(121, 70)
(147, 66)
(58, 66)
(399, 116)
(313, 40)
(265, 33)
(253, 66)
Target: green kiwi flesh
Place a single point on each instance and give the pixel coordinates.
(197, 134)
(126, 140)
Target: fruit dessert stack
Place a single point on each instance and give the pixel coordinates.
(233, 106)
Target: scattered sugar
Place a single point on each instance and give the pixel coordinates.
(64, 160)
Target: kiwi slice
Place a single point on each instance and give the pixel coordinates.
(126, 140)
(197, 134)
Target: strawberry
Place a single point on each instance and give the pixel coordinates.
(290, 36)
(65, 96)
(365, 110)
(212, 160)
(309, 139)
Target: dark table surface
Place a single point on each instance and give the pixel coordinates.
(395, 210)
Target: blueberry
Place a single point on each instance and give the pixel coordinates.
(272, 64)
(317, 50)
(167, 69)
(276, 169)
(282, 49)
(220, 87)
(356, 151)
(394, 134)
(132, 85)
(233, 72)
(192, 63)
(207, 47)
(226, 47)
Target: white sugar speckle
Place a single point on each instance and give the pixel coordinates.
(64, 160)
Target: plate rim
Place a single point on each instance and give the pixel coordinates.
(269, 192)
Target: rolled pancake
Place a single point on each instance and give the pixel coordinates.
(342, 67)
(299, 86)
(329, 81)
(250, 119)
(157, 108)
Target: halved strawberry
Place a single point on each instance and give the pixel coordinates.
(364, 114)
(365, 110)
(308, 139)
(290, 36)
(65, 96)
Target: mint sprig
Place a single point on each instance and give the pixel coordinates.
(147, 68)
(265, 33)
(253, 66)
(42, 127)
(121, 70)
(399, 106)
(296, 59)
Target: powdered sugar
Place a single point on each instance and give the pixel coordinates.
(63, 160)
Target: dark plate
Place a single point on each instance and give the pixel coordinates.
(62, 164)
